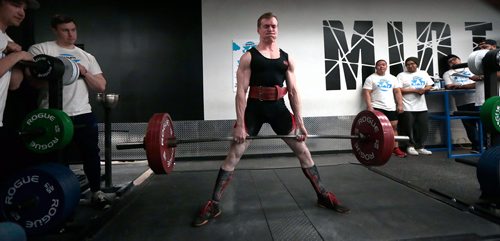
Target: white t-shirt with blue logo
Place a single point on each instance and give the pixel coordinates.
(75, 95)
(382, 87)
(416, 80)
(460, 77)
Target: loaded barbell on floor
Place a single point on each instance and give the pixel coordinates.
(372, 139)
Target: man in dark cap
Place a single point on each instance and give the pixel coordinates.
(488, 44)
(463, 78)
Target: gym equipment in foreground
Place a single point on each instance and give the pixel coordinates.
(48, 67)
(40, 198)
(46, 130)
(490, 114)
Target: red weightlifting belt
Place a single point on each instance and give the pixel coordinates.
(267, 93)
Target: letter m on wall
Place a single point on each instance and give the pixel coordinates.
(354, 61)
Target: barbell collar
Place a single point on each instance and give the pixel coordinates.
(39, 67)
(401, 138)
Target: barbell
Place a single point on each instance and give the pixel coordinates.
(479, 59)
(48, 68)
(372, 140)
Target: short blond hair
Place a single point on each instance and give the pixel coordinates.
(267, 15)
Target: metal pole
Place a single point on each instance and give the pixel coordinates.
(107, 147)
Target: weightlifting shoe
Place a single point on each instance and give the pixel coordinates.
(100, 200)
(208, 211)
(424, 151)
(398, 152)
(411, 151)
(328, 200)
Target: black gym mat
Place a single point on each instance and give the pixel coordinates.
(280, 204)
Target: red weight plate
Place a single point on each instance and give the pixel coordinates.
(161, 157)
(376, 148)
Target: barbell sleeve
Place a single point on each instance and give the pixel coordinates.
(459, 66)
(130, 145)
(27, 63)
(32, 132)
(174, 142)
(401, 138)
(39, 66)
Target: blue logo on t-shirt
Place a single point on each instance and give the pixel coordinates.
(461, 77)
(418, 82)
(384, 85)
(70, 57)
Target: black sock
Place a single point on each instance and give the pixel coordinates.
(221, 183)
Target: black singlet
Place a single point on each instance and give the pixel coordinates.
(268, 72)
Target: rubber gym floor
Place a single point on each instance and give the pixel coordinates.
(269, 198)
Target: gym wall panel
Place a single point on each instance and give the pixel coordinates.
(371, 30)
(149, 53)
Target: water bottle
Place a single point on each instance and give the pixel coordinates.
(437, 83)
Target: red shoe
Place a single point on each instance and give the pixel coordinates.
(398, 152)
(208, 211)
(328, 200)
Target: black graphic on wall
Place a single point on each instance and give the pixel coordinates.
(347, 60)
(426, 40)
(396, 47)
(478, 30)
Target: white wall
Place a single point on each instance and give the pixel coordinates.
(301, 35)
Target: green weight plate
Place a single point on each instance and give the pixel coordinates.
(46, 130)
(486, 113)
(68, 127)
(67, 134)
(495, 115)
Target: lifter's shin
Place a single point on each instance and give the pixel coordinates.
(221, 183)
(313, 175)
(325, 199)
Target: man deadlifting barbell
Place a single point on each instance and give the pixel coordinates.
(264, 69)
